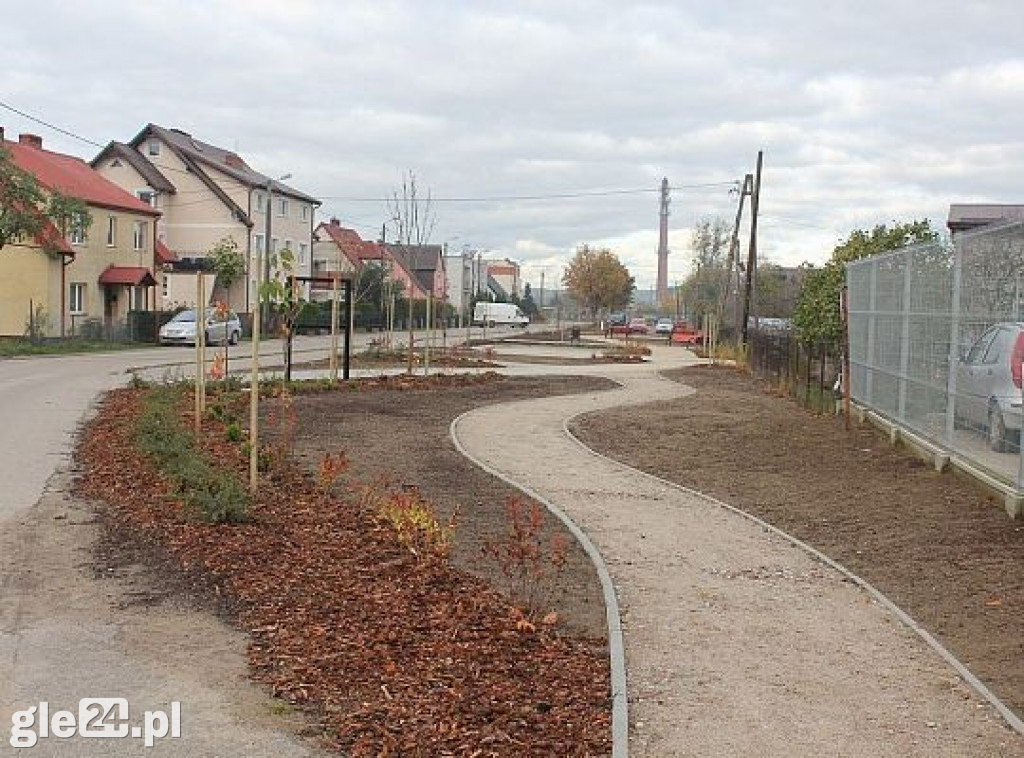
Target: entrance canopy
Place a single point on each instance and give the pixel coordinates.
(131, 276)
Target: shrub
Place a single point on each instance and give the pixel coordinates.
(214, 495)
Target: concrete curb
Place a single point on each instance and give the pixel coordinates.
(1012, 719)
(616, 650)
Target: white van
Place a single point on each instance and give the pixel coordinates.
(494, 314)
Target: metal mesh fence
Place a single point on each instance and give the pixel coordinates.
(936, 343)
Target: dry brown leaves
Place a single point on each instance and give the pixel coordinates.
(388, 655)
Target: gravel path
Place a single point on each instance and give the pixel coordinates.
(736, 642)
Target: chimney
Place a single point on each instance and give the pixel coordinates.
(1, 134)
(32, 140)
(335, 222)
(230, 159)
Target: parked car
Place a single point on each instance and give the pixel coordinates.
(220, 327)
(988, 384)
(638, 326)
(684, 334)
(663, 326)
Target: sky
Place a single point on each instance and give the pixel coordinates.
(867, 112)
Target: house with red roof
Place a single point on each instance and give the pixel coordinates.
(338, 249)
(82, 278)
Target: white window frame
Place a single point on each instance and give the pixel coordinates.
(273, 245)
(257, 201)
(257, 243)
(305, 213)
(139, 235)
(288, 246)
(303, 248)
(111, 231)
(77, 235)
(282, 207)
(153, 147)
(76, 298)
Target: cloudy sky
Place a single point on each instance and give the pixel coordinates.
(867, 112)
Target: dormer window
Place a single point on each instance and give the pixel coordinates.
(154, 147)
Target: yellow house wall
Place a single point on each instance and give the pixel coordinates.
(93, 257)
(28, 278)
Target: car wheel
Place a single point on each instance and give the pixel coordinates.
(233, 339)
(996, 431)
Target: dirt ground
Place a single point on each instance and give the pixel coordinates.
(403, 437)
(936, 544)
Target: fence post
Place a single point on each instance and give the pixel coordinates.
(869, 359)
(954, 344)
(901, 408)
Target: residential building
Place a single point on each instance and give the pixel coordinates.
(339, 249)
(91, 277)
(425, 263)
(206, 194)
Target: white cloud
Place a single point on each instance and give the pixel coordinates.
(867, 112)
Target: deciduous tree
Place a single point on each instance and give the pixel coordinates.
(598, 280)
(26, 208)
(817, 317)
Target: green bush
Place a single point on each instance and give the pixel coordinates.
(214, 495)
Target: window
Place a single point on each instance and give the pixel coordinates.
(139, 235)
(78, 231)
(289, 246)
(302, 252)
(111, 231)
(282, 206)
(148, 197)
(163, 286)
(139, 298)
(154, 147)
(273, 244)
(76, 298)
(257, 243)
(257, 201)
(305, 213)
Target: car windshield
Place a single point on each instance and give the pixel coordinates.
(189, 316)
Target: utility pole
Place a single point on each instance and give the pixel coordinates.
(751, 273)
(540, 303)
(732, 282)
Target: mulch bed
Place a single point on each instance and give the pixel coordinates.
(935, 543)
(390, 654)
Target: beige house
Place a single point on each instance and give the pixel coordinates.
(205, 194)
(84, 280)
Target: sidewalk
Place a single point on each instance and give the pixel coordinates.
(736, 642)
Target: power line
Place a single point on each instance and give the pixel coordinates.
(553, 196)
(50, 126)
(490, 199)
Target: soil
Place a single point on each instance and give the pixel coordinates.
(935, 543)
(403, 438)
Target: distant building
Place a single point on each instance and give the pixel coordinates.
(965, 217)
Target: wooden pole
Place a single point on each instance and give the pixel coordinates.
(411, 340)
(429, 337)
(200, 323)
(755, 203)
(254, 380)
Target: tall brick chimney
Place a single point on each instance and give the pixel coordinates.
(1, 134)
(32, 140)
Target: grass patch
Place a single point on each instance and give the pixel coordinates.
(212, 494)
(12, 348)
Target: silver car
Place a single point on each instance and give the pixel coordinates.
(988, 384)
(221, 326)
